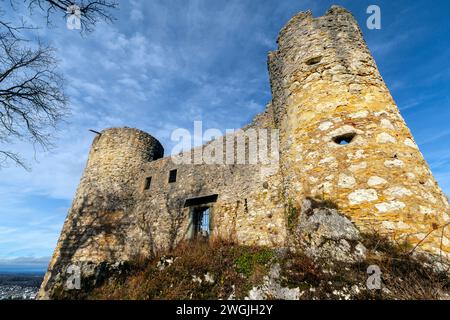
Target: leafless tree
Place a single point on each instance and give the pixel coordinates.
(32, 98)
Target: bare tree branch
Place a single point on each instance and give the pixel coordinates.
(91, 11)
(32, 98)
(7, 156)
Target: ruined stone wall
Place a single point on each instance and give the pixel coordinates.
(115, 219)
(249, 208)
(326, 88)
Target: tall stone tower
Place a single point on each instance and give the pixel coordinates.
(342, 137)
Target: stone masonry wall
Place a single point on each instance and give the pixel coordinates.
(95, 228)
(114, 219)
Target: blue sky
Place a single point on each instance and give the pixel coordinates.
(164, 64)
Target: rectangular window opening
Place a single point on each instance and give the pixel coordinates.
(172, 176)
(148, 183)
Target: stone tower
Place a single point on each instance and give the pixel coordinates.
(342, 137)
(97, 223)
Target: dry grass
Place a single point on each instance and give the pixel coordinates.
(230, 266)
(403, 277)
(236, 269)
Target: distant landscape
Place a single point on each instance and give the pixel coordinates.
(19, 286)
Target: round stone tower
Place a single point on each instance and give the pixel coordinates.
(116, 156)
(113, 169)
(96, 230)
(342, 137)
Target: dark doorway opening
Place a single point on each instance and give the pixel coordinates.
(148, 183)
(200, 222)
(201, 210)
(172, 176)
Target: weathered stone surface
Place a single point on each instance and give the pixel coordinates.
(376, 181)
(113, 218)
(272, 289)
(324, 233)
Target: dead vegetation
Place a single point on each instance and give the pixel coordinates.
(403, 277)
(222, 270)
(193, 270)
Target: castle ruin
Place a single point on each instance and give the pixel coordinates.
(341, 138)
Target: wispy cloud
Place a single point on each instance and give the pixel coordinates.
(434, 137)
(24, 261)
(24, 264)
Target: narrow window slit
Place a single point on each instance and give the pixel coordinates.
(172, 176)
(148, 183)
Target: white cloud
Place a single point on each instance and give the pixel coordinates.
(24, 261)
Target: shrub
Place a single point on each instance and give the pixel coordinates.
(251, 257)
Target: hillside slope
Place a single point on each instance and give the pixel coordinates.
(201, 270)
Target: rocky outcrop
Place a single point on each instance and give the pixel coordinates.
(324, 233)
(271, 289)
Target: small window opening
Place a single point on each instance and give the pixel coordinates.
(344, 138)
(313, 60)
(172, 176)
(200, 222)
(148, 183)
